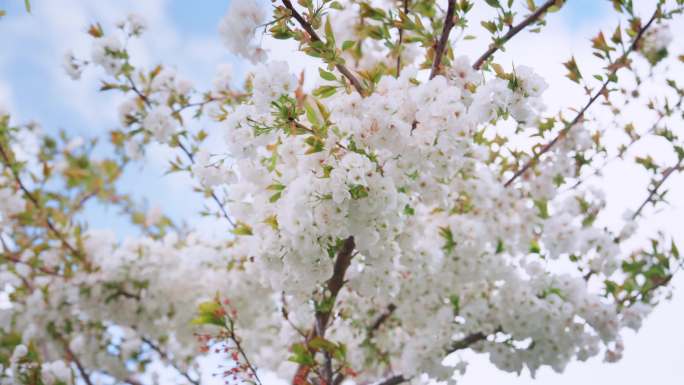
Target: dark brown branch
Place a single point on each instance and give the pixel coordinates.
(443, 39)
(335, 283)
(15, 259)
(333, 286)
(467, 341)
(395, 380)
(512, 32)
(381, 319)
(658, 184)
(314, 37)
(338, 379)
(51, 226)
(602, 91)
(79, 366)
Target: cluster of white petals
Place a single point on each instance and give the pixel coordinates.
(399, 172)
(239, 29)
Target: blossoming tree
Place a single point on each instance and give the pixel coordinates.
(412, 204)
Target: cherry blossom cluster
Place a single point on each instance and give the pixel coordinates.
(381, 220)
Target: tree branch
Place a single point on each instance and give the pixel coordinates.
(444, 39)
(216, 199)
(591, 101)
(512, 32)
(71, 356)
(16, 260)
(185, 150)
(314, 37)
(242, 352)
(333, 285)
(662, 180)
(467, 341)
(51, 226)
(166, 357)
(381, 319)
(394, 380)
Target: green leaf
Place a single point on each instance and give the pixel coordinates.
(311, 115)
(534, 247)
(455, 303)
(209, 312)
(358, 191)
(27, 4)
(322, 344)
(301, 355)
(326, 305)
(274, 198)
(449, 242)
(242, 228)
(489, 26)
(272, 221)
(543, 207)
(499, 247)
(325, 91)
(326, 75)
(347, 44)
(329, 35)
(276, 187)
(611, 287)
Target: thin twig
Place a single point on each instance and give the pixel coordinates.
(658, 184)
(512, 32)
(185, 150)
(166, 357)
(81, 369)
(443, 39)
(314, 37)
(239, 348)
(216, 199)
(401, 39)
(286, 316)
(15, 259)
(591, 101)
(597, 170)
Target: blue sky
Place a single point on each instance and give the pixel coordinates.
(183, 34)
